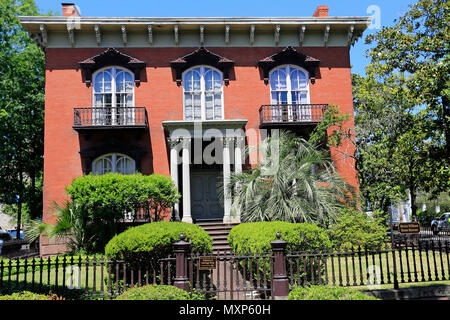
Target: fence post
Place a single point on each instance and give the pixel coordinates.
(181, 249)
(280, 281)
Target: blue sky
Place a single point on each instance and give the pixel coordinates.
(389, 10)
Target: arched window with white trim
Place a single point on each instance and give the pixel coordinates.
(289, 93)
(114, 162)
(113, 97)
(203, 94)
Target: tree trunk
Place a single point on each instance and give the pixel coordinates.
(19, 217)
(19, 206)
(412, 191)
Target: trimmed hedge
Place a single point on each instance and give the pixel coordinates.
(110, 195)
(155, 292)
(153, 241)
(251, 238)
(327, 293)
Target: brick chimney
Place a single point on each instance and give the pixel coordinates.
(321, 11)
(70, 10)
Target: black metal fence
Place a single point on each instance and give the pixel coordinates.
(252, 276)
(420, 261)
(81, 277)
(236, 277)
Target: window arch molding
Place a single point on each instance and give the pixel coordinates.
(111, 57)
(114, 162)
(202, 56)
(291, 56)
(203, 97)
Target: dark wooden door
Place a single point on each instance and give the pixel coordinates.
(205, 202)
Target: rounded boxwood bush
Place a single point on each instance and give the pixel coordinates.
(25, 295)
(153, 241)
(327, 293)
(251, 237)
(255, 237)
(155, 292)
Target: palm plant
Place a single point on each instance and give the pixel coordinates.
(71, 224)
(295, 182)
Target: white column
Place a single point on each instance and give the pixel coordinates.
(226, 179)
(186, 181)
(174, 173)
(238, 146)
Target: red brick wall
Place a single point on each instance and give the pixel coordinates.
(161, 96)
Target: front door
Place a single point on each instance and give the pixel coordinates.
(205, 203)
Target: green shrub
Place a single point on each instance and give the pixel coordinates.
(254, 237)
(251, 237)
(25, 295)
(153, 241)
(155, 292)
(145, 245)
(110, 195)
(354, 229)
(327, 293)
(103, 200)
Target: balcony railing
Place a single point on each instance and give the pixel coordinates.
(273, 114)
(109, 117)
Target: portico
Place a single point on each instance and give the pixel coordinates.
(203, 150)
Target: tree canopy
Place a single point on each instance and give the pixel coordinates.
(22, 83)
(401, 108)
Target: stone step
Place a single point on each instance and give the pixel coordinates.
(218, 231)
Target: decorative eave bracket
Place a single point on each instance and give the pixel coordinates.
(111, 57)
(289, 56)
(199, 57)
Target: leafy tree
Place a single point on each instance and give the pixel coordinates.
(296, 182)
(417, 46)
(21, 110)
(401, 108)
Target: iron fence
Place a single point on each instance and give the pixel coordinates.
(258, 275)
(236, 277)
(81, 277)
(420, 261)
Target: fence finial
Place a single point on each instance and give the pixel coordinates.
(278, 235)
(182, 236)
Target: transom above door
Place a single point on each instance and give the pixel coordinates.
(203, 94)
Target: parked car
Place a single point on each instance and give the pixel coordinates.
(4, 236)
(441, 223)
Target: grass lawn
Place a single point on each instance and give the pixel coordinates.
(415, 269)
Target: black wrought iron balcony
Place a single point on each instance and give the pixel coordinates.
(291, 114)
(109, 118)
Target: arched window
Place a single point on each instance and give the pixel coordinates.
(114, 162)
(113, 97)
(203, 94)
(289, 92)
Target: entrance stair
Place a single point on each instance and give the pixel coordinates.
(219, 233)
